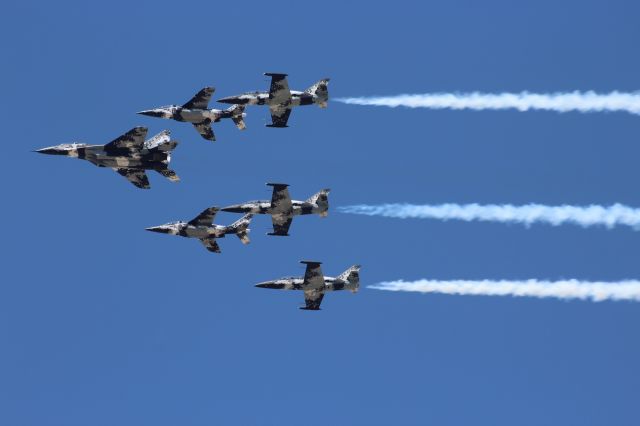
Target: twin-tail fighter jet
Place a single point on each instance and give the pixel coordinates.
(203, 228)
(315, 284)
(197, 113)
(280, 99)
(282, 209)
(129, 155)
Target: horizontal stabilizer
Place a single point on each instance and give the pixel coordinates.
(169, 174)
(275, 74)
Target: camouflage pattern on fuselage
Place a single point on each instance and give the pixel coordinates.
(262, 98)
(297, 283)
(315, 284)
(129, 155)
(196, 112)
(282, 208)
(265, 207)
(178, 113)
(281, 99)
(203, 228)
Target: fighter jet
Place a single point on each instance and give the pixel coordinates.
(280, 99)
(129, 155)
(202, 227)
(197, 113)
(282, 209)
(315, 284)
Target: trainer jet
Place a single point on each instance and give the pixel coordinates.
(197, 113)
(280, 99)
(129, 155)
(315, 284)
(202, 228)
(282, 209)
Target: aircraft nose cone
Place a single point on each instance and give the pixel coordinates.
(151, 113)
(233, 100)
(50, 151)
(270, 284)
(159, 229)
(237, 208)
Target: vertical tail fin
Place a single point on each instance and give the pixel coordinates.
(161, 142)
(320, 91)
(241, 228)
(352, 276)
(321, 198)
(237, 115)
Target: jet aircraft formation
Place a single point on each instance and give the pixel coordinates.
(131, 155)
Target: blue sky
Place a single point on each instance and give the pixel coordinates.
(102, 323)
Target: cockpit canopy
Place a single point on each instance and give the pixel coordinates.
(73, 145)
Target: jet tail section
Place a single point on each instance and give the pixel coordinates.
(241, 228)
(161, 142)
(237, 116)
(321, 91)
(352, 275)
(321, 198)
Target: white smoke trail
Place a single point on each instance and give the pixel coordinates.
(560, 102)
(595, 291)
(593, 215)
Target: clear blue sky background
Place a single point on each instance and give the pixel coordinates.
(102, 323)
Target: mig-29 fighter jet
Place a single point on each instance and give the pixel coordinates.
(202, 227)
(129, 155)
(197, 113)
(315, 284)
(280, 99)
(282, 209)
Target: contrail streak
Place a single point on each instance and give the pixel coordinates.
(560, 102)
(595, 291)
(593, 215)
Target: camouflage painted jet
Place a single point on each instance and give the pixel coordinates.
(315, 284)
(282, 209)
(197, 113)
(202, 227)
(280, 99)
(129, 155)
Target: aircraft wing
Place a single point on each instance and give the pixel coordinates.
(211, 244)
(312, 300)
(279, 115)
(205, 130)
(313, 276)
(279, 91)
(138, 177)
(205, 218)
(313, 285)
(201, 99)
(280, 199)
(134, 138)
(281, 224)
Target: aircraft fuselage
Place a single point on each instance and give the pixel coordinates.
(178, 113)
(264, 207)
(120, 157)
(262, 98)
(330, 284)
